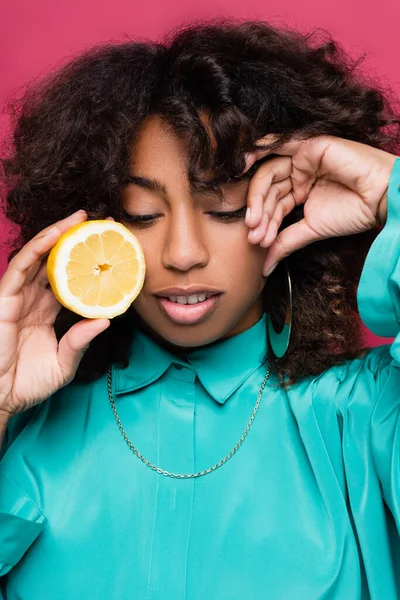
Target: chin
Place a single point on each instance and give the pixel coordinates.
(184, 336)
(190, 339)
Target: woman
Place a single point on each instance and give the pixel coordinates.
(253, 464)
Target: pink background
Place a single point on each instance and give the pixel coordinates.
(39, 35)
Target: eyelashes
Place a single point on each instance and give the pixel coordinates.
(146, 220)
(233, 215)
(138, 218)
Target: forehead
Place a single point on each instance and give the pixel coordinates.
(159, 145)
(156, 138)
(161, 154)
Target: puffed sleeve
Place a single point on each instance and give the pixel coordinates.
(378, 298)
(21, 520)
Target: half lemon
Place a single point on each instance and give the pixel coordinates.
(96, 269)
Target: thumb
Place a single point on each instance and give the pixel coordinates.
(289, 240)
(75, 342)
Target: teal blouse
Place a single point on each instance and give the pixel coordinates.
(307, 509)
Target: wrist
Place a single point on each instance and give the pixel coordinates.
(381, 213)
(387, 169)
(5, 416)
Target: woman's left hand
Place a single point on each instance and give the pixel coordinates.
(342, 184)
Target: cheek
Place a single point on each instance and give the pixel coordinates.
(238, 256)
(231, 255)
(151, 249)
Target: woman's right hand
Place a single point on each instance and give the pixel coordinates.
(33, 365)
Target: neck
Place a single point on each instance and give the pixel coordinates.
(182, 351)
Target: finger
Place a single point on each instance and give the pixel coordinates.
(252, 157)
(47, 306)
(289, 148)
(285, 205)
(41, 278)
(256, 235)
(34, 270)
(289, 240)
(308, 156)
(19, 268)
(75, 342)
(274, 171)
(274, 195)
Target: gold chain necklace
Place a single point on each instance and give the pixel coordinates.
(185, 475)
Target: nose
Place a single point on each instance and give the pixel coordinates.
(185, 246)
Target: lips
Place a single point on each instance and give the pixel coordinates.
(192, 299)
(191, 290)
(189, 314)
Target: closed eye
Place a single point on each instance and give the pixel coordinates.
(146, 220)
(141, 220)
(231, 215)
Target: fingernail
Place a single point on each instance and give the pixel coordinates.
(271, 270)
(248, 214)
(248, 159)
(77, 213)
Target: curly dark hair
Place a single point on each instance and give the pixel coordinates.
(73, 130)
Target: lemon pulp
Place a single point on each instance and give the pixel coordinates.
(97, 269)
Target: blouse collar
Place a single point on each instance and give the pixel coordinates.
(221, 367)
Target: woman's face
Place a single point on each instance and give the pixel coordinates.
(189, 249)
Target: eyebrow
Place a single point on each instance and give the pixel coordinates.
(156, 186)
(149, 184)
(153, 185)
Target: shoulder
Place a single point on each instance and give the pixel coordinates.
(375, 365)
(359, 383)
(66, 407)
